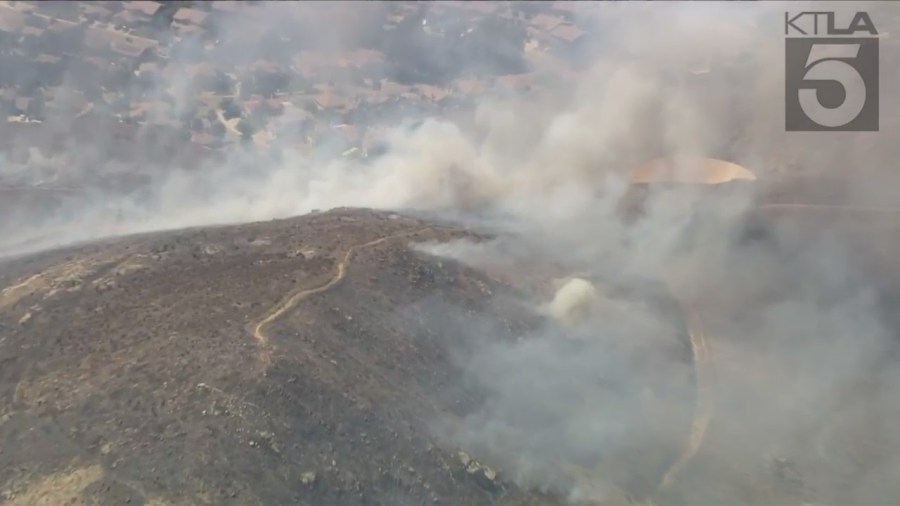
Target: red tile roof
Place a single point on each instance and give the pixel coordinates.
(193, 16)
(145, 6)
(546, 22)
(568, 32)
(483, 7)
(11, 20)
(331, 100)
(360, 57)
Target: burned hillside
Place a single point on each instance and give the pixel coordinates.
(136, 371)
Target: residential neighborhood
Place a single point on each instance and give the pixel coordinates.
(203, 77)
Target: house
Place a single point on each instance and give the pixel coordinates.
(144, 7)
(140, 111)
(118, 43)
(97, 38)
(11, 24)
(148, 68)
(274, 106)
(203, 75)
(433, 93)
(265, 66)
(113, 6)
(469, 86)
(349, 132)
(516, 82)
(230, 7)
(394, 89)
(94, 64)
(19, 6)
(32, 33)
(98, 12)
(546, 22)
(329, 100)
(376, 97)
(308, 63)
(292, 117)
(263, 138)
(568, 33)
(126, 19)
(190, 31)
(485, 8)
(21, 105)
(133, 49)
(566, 6)
(151, 15)
(189, 16)
(294, 111)
(361, 58)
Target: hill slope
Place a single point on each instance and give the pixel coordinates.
(131, 370)
(299, 361)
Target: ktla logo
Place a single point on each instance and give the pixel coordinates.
(831, 73)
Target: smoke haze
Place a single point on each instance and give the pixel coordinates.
(802, 340)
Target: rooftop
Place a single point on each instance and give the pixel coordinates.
(11, 21)
(546, 22)
(145, 6)
(191, 16)
(568, 32)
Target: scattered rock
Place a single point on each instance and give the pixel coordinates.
(786, 473)
(483, 475)
(308, 478)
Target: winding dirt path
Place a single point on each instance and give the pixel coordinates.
(703, 406)
(699, 347)
(291, 301)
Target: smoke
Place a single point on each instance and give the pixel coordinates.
(801, 389)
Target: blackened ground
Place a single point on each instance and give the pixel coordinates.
(130, 374)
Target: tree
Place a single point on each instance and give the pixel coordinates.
(267, 83)
(245, 89)
(260, 114)
(217, 130)
(246, 129)
(223, 84)
(230, 109)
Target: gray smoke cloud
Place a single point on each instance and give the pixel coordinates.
(799, 329)
(601, 395)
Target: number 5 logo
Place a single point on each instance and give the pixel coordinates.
(831, 84)
(827, 62)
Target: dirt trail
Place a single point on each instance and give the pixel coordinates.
(703, 407)
(228, 126)
(699, 346)
(292, 300)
